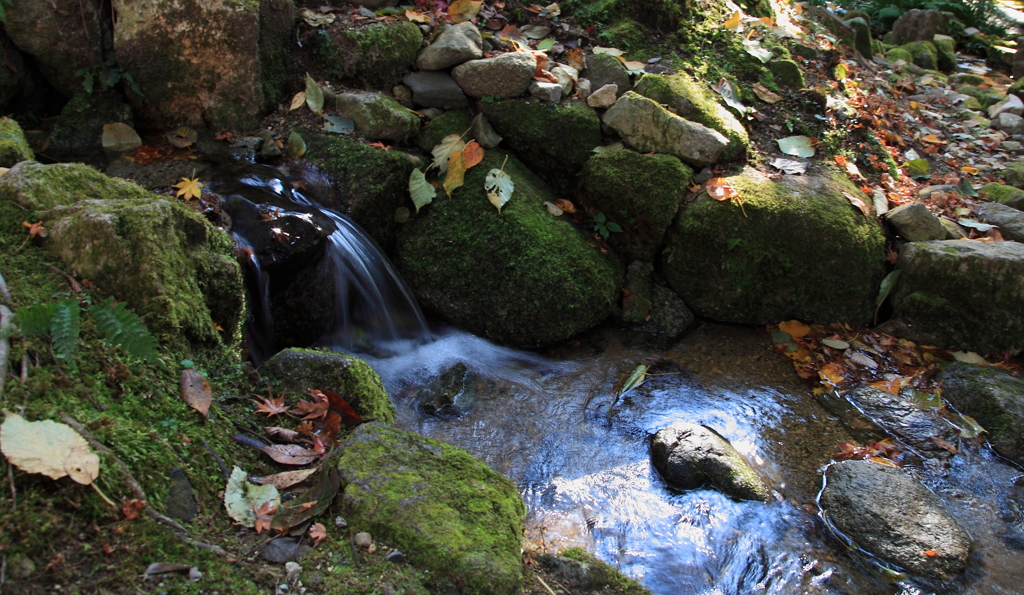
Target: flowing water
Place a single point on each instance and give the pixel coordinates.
(549, 420)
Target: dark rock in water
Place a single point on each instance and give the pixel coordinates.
(181, 500)
(913, 425)
(690, 456)
(78, 131)
(158, 174)
(577, 574)
(651, 308)
(992, 397)
(284, 549)
(452, 393)
(891, 515)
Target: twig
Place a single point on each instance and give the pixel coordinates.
(24, 367)
(5, 325)
(14, 492)
(5, 295)
(220, 462)
(355, 553)
(537, 576)
(75, 287)
(201, 544)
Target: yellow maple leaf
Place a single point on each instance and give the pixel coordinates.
(189, 188)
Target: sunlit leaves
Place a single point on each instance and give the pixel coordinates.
(50, 448)
(189, 188)
(464, 10)
(799, 146)
(242, 499)
(444, 150)
(456, 173)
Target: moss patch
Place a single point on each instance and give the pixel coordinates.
(447, 511)
(787, 72)
(1000, 192)
(379, 54)
(451, 122)
(995, 399)
(37, 187)
(13, 146)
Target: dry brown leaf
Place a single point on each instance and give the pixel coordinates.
(317, 532)
(264, 514)
(47, 447)
(291, 454)
(282, 434)
(196, 391)
(764, 94)
(565, 205)
(285, 479)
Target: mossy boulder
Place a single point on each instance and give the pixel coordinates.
(1013, 174)
(787, 72)
(945, 47)
(1001, 193)
(695, 103)
(78, 132)
(801, 251)
(377, 54)
(995, 398)
(1016, 88)
(986, 96)
(659, 14)
(861, 34)
(445, 510)
(519, 276)
(552, 140)
(37, 187)
(377, 116)
(451, 122)
(298, 370)
(13, 146)
(923, 53)
(368, 184)
(804, 51)
(962, 295)
(640, 192)
(897, 54)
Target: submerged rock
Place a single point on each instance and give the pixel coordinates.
(78, 131)
(994, 398)
(802, 251)
(298, 370)
(651, 128)
(889, 514)
(447, 511)
(690, 456)
(519, 276)
(452, 393)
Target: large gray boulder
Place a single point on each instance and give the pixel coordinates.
(456, 44)
(994, 398)
(435, 89)
(507, 75)
(651, 128)
(889, 514)
(961, 294)
(690, 456)
(796, 249)
(914, 222)
(1009, 219)
(445, 510)
(377, 116)
(65, 36)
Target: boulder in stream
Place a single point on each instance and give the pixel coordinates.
(450, 394)
(891, 515)
(914, 425)
(690, 456)
(448, 512)
(994, 398)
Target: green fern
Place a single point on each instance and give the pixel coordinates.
(65, 327)
(34, 321)
(124, 328)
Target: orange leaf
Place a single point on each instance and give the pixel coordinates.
(719, 189)
(967, 169)
(311, 409)
(35, 229)
(271, 406)
(891, 386)
(472, 154)
(931, 138)
(794, 328)
(565, 205)
(840, 160)
(833, 372)
(196, 391)
(380, 145)
(317, 532)
(931, 553)
(576, 58)
(264, 514)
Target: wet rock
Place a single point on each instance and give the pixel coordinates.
(912, 424)
(456, 44)
(552, 283)
(64, 36)
(689, 456)
(915, 222)
(604, 97)
(77, 133)
(377, 116)
(547, 92)
(604, 69)
(799, 246)
(651, 308)
(268, 148)
(506, 75)
(285, 549)
(298, 370)
(157, 174)
(396, 557)
(483, 132)
(650, 128)
(181, 500)
(872, 504)
(435, 89)
(1009, 220)
(994, 398)
(452, 393)
(580, 575)
(937, 300)
(452, 514)
(644, 191)
(918, 25)
(13, 146)
(1009, 123)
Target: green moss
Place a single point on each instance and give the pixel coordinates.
(609, 575)
(451, 122)
(804, 51)
(897, 54)
(1000, 192)
(923, 54)
(986, 96)
(992, 397)
(693, 102)
(862, 35)
(447, 511)
(521, 276)
(379, 54)
(626, 33)
(553, 140)
(298, 370)
(1013, 174)
(945, 52)
(801, 252)
(13, 146)
(787, 73)
(37, 187)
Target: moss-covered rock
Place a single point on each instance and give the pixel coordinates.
(695, 103)
(576, 568)
(451, 122)
(369, 184)
(1001, 193)
(553, 140)
(945, 47)
(804, 51)
(966, 78)
(36, 187)
(13, 146)
(377, 116)
(78, 132)
(1013, 174)
(861, 34)
(787, 72)
(641, 192)
(986, 96)
(802, 251)
(298, 370)
(897, 54)
(994, 398)
(447, 511)
(963, 295)
(378, 54)
(521, 277)
(923, 53)
(690, 456)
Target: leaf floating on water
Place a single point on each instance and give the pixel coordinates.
(635, 379)
(242, 499)
(182, 137)
(499, 187)
(120, 137)
(800, 146)
(779, 336)
(456, 173)
(339, 124)
(420, 190)
(196, 391)
(314, 95)
(49, 448)
(443, 151)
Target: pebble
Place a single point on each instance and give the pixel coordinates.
(363, 539)
(396, 557)
(292, 569)
(339, 521)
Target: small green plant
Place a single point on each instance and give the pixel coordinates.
(4, 5)
(605, 227)
(62, 322)
(106, 75)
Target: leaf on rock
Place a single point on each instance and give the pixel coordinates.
(312, 503)
(800, 146)
(764, 94)
(755, 49)
(608, 148)
(298, 101)
(296, 147)
(196, 391)
(731, 95)
(264, 514)
(444, 150)
(464, 10)
(339, 124)
(859, 203)
(314, 95)
(634, 67)
(189, 188)
(794, 328)
(456, 175)
(610, 51)
(719, 189)
(472, 154)
(420, 190)
(291, 454)
(577, 58)
(735, 22)
(286, 479)
(789, 166)
(47, 447)
(975, 224)
(969, 357)
(120, 137)
(499, 188)
(417, 17)
(315, 409)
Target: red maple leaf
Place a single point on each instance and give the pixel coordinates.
(315, 409)
(264, 514)
(317, 533)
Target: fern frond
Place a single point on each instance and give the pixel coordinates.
(35, 320)
(65, 327)
(123, 328)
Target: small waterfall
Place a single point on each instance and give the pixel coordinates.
(313, 276)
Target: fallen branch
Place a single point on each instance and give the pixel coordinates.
(537, 576)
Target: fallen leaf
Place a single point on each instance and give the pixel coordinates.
(499, 187)
(719, 189)
(316, 19)
(610, 51)
(472, 154)
(789, 166)
(794, 328)
(339, 124)
(182, 137)
(314, 95)
(835, 343)
(931, 553)
(975, 224)
(291, 454)
(189, 188)
(734, 23)
(285, 479)
(264, 514)
(318, 498)
(859, 203)
(566, 205)
(608, 148)
(165, 567)
(535, 31)
(298, 101)
(282, 434)
(634, 67)
(317, 532)
(456, 175)
(443, 151)
(464, 10)
(969, 357)
(967, 169)
(764, 94)
(755, 49)
(196, 391)
(47, 447)
(635, 379)
(417, 17)
(577, 58)
(885, 289)
(120, 137)
(731, 95)
(833, 372)
(314, 409)
(270, 406)
(863, 360)
(130, 508)
(553, 209)
(421, 192)
(890, 386)
(918, 168)
(242, 499)
(800, 146)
